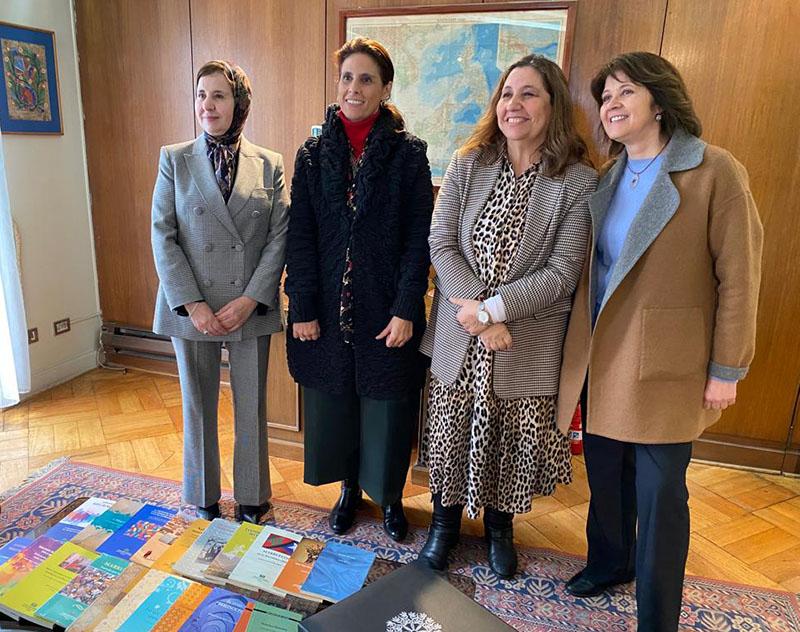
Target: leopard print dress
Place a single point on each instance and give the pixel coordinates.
(482, 450)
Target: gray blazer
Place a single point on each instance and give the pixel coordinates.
(206, 250)
(543, 277)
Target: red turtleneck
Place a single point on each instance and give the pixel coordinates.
(357, 131)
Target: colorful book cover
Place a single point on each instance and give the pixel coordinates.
(220, 569)
(135, 532)
(162, 540)
(205, 549)
(12, 547)
(179, 547)
(108, 600)
(265, 559)
(241, 624)
(17, 567)
(340, 571)
(44, 581)
(113, 518)
(219, 611)
(131, 601)
(266, 618)
(186, 604)
(298, 567)
(67, 605)
(155, 605)
(78, 519)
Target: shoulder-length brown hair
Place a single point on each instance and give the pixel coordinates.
(664, 83)
(562, 145)
(380, 56)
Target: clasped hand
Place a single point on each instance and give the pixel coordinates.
(495, 337)
(226, 320)
(397, 333)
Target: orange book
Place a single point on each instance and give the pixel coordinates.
(182, 609)
(156, 546)
(180, 546)
(241, 624)
(298, 567)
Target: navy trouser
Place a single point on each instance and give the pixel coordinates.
(633, 482)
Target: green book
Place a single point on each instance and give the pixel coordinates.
(220, 569)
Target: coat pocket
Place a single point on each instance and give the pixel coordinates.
(674, 344)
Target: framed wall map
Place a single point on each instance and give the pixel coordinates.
(29, 100)
(448, 59)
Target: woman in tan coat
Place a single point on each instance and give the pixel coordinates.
(662, 327)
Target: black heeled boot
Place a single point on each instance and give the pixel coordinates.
(442, 535)
(395, 522)
(343, 513)
(499, 534)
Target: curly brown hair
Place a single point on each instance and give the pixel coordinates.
(380, 56)
(664, 83)
(562, 145)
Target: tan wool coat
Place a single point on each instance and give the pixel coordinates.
(680, 304)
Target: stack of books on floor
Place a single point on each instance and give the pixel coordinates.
(137, 567)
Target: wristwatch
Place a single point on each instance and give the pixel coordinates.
(483, 316)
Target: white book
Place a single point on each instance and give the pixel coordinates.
(205, 548)
(264, 560)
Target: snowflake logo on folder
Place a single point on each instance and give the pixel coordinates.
(412, 622)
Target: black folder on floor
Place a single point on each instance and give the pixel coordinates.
(410, 598)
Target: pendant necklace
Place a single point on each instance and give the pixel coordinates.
(636, 174)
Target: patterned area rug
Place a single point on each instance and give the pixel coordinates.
(533, 602)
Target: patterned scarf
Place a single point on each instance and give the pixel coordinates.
(224, 158)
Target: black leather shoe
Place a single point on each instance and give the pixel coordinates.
(210, 512)
(581, 586)
(394, 521)
(343, 513)
(251, 513)
(499, 534)
(442, 535)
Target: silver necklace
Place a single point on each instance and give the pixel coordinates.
(636, 174)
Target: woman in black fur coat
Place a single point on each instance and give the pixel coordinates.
(357, 272)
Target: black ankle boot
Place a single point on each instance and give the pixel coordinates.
(344, 511)
(395, 522)
(499, 534)
(442, 535)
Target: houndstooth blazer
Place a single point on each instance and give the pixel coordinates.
(543, 277)
(207, 250)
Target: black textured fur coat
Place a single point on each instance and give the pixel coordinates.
(394, 202)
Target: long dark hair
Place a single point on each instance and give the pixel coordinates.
(380, 55)
(664, 83)
(562, 145)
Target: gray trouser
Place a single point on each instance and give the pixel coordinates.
(198, 369)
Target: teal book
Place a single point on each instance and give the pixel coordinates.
(104, 525)
(79, 519)
(340, 571)
(265, 618)
(144, 524)
(155, 605)
(69, 603)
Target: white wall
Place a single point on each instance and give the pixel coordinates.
(49, 193)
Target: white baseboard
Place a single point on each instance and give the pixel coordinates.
(53, 376)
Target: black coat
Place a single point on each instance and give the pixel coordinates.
(394, 202)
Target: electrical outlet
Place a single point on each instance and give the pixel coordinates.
(61, 326)
(33, 335)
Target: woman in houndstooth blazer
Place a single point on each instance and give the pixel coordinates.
(219, 240)
(507, 241)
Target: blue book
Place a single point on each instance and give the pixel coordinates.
(10, 549)
(155, 605)
(139, 529)
(340, 571)
(77, 520)
(219, 611)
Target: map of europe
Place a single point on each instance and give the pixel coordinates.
(446, 66)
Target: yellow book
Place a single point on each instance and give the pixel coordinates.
(181, 545)
(182, 609)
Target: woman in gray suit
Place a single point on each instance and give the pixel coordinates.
(508, 241)
(219, 237)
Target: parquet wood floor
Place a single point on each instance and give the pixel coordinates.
(745, 525)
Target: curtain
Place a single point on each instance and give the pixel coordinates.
(15, 368)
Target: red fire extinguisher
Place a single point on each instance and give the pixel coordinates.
(575, 433)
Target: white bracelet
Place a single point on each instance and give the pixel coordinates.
(194, 309)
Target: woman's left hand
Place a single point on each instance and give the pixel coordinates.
(235, 314)
(719, 395)
(397, 333)
(467, 316)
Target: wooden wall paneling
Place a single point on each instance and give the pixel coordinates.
(135, 68)
(739, 59)
(281, 46)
